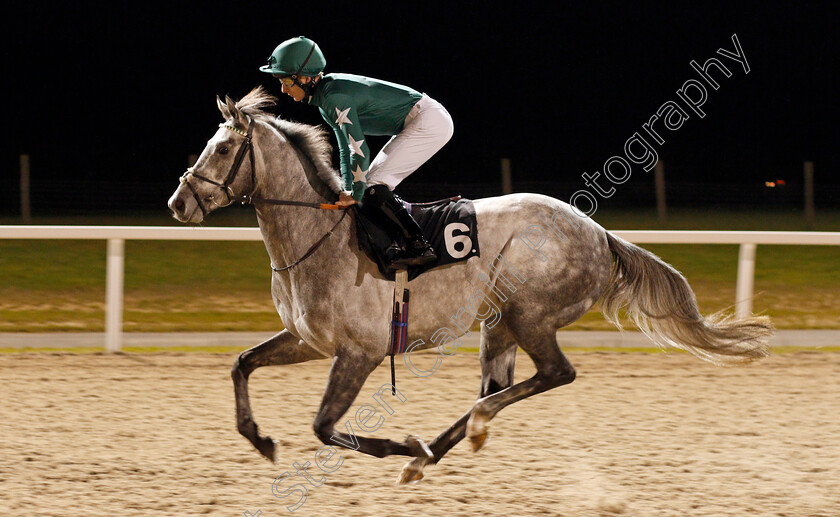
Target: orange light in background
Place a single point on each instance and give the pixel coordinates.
(769, 184)
(780, 182)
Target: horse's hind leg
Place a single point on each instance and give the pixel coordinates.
(283, 348)
(553, 369)
(350, 369)
(498, 357)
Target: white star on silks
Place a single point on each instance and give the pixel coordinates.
(356, 147)
(341, 117)
(359, 174)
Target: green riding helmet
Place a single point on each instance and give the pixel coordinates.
(296, 56)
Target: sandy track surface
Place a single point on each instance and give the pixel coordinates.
(636, 434)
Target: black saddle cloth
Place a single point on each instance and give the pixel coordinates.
(448, 224)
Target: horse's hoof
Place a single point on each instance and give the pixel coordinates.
(477, 441)
(418, 448)
(412, 472)
(267, 447)
(477, 431)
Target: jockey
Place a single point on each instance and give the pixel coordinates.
(355, 106)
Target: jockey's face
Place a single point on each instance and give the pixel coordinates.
(294, 91)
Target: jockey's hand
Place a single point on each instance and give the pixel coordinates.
(345, 199)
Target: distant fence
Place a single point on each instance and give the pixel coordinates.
(98, 190)
(117, 235)
(74, 197)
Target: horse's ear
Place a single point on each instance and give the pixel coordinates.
(222, 108)
(235, 113)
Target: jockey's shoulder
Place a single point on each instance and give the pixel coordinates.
(340, 88)
(342, 83)
(342, 78)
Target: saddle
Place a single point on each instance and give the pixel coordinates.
(449, 225)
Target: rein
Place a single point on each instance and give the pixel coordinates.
(311, 249)
(248, 146)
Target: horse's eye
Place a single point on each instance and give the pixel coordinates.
(223, 150)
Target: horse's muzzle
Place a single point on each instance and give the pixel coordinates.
(181, 209)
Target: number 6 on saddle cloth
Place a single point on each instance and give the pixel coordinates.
(449, 225)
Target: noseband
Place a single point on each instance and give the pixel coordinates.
(246, 146)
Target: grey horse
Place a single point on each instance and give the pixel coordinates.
(542, 266)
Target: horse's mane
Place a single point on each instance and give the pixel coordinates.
(312, 141)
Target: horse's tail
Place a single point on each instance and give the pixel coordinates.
(658, 299)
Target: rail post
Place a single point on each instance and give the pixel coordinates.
(114, 265)
(744, 285)
(808, 171)
(507, 182)
(25, 207)
(659, 183)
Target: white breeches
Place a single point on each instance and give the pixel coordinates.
(428, 127)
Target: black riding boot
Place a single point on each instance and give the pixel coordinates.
(399, 223)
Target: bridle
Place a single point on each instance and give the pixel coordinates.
(248, 146)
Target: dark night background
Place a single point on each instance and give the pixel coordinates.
(109, 99)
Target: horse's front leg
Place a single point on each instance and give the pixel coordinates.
(283, 348)
(350, 368)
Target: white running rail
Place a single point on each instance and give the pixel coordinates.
(117, 235)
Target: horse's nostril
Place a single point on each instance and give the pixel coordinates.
(179, 205)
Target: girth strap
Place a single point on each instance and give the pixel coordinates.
(399, 322)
